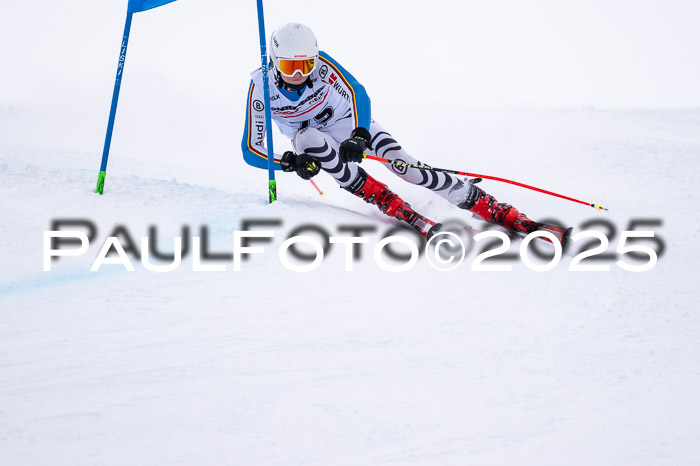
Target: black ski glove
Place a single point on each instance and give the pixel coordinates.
(353, 149)
(306, 166)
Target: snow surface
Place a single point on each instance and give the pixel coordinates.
(268, 366)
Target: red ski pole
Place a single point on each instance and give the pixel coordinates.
(320, 193)
(399, 163)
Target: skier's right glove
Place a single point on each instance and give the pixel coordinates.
(353, 149)
(306, 166)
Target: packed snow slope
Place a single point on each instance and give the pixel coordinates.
(333, 367)
(270, 366)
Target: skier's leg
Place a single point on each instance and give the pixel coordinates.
(446, 185)
(354, 179)
(377, 193)
(464, 195)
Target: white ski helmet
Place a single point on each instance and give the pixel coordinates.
(293, 42)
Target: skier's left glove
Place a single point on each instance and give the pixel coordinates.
(353, 149)
(306, 166)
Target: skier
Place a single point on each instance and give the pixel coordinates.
(326, 114)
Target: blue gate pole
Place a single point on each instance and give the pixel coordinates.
(115, 97)
(272, 184)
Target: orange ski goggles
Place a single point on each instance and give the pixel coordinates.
(291, 67)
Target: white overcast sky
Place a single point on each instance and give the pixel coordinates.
(609, 54)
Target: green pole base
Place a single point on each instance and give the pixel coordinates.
(273, 191)
(100, 183)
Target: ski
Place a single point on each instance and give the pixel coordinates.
(561, 233)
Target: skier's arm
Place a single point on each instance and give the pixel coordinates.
(354, 91)
(254, 131)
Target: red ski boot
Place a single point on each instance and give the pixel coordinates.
(487, 207)
(377, 193)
